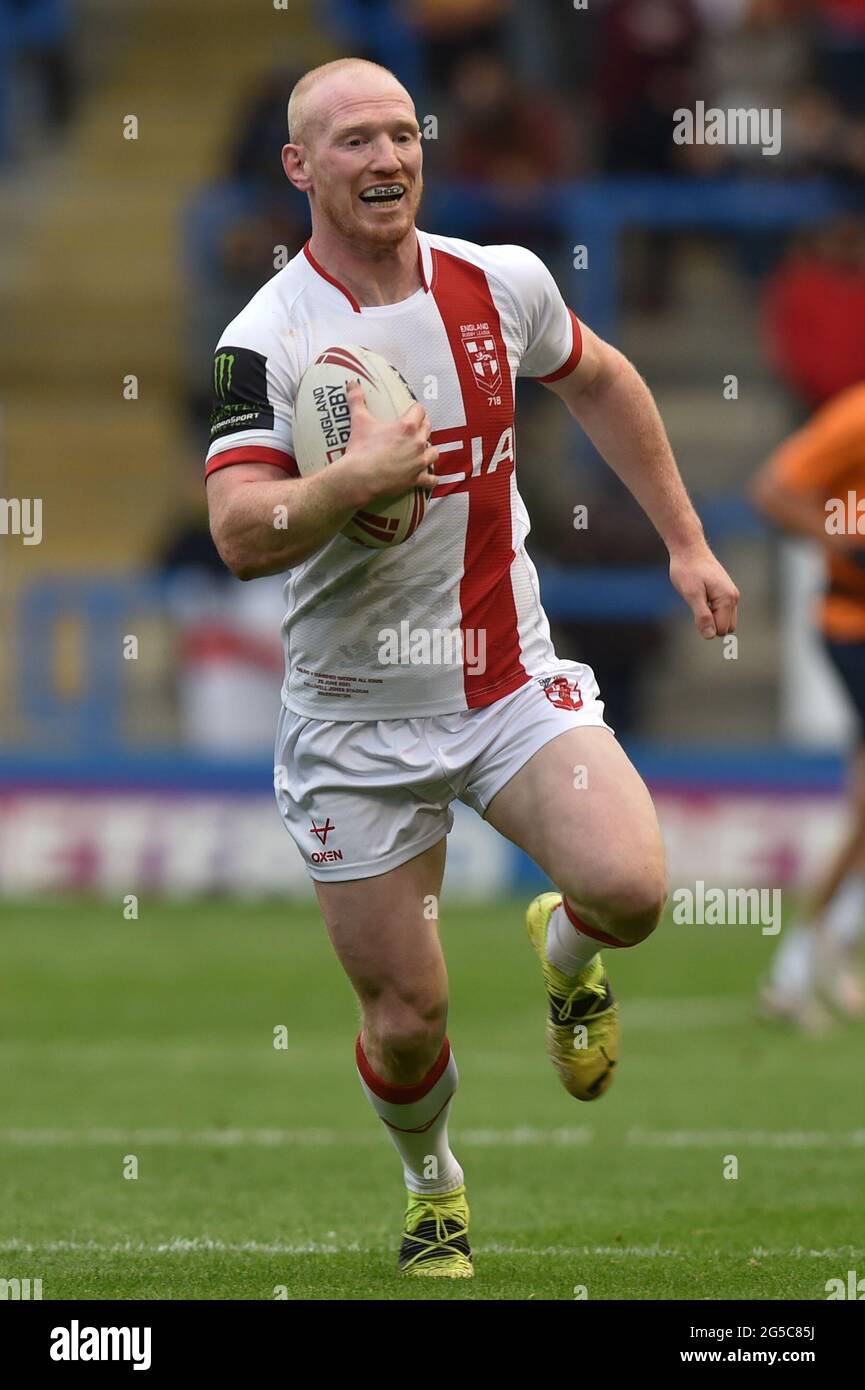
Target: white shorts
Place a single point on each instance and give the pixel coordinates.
(360, 798)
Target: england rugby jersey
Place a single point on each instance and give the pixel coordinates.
(452, 618)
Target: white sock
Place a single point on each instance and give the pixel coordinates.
(568, 949)
(844, 918)
(416, 1118)
(792, 969)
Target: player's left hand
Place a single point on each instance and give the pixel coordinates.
(707, 589)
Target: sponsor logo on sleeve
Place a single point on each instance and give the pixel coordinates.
(240, 400)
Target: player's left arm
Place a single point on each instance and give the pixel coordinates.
(610, 401)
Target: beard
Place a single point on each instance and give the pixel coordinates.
(370, 230)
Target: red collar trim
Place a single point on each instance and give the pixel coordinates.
(320, 270)
(423, 279)
(324, 275)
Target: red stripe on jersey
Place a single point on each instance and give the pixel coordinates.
(487, 604)
(574, 355)
(324, 275)
(253, 453)
(401, 1095)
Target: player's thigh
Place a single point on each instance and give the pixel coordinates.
(581, 810)
(384, 930)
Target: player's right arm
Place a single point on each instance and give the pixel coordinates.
(264, 523)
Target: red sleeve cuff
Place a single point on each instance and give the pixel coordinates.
(253, 453)
(573, 357)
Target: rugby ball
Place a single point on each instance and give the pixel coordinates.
(322, 428)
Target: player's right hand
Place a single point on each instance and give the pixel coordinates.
(389, 458)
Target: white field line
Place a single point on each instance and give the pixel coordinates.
(521, 1137)
(182, 1245)
(745, 1138)
(279, 1138)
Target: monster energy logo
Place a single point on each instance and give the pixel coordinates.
(222, 370)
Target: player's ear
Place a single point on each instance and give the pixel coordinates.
(296, 168)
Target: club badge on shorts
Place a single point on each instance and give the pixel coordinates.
(561, 692)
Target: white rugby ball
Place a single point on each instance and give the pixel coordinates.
(322, 428)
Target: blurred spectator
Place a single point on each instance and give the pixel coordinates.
(37, 69)
(644, 69)
(506, 136)
(503, 133)
(840, 34)
(451, 29)
(45, 43)
(814, 131)
(814, 307)
(262, 130)
(752, 55)
(241, 229)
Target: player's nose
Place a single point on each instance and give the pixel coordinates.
(385, 158)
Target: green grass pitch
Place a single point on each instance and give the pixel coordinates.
(262, 1168)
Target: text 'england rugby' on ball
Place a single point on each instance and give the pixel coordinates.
(322, 428)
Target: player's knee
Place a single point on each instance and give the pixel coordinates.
(637, 913)
(629, 907)
(408, 1034)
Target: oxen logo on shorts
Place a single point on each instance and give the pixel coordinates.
(561, 692)
(322, 831)
(482, 353)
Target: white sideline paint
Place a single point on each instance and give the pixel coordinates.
(279, 1138)
(184, 1245)
(745, 1138)
(523, 1137)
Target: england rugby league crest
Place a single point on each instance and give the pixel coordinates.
(561, 692)
(481, 351)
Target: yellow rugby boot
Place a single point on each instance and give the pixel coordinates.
(583, 1021)
(435, 1241)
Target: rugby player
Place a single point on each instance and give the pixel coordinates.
(806, 488)
(374, 754)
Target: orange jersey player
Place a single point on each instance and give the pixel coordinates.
(814, 486)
